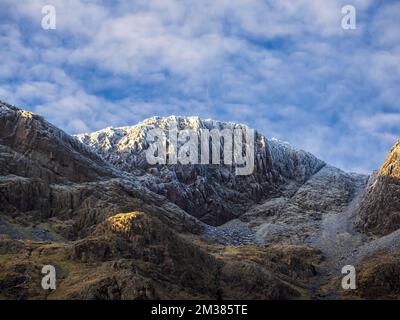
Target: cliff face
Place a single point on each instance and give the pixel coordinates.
(379, 209)
(31, 147)
(212, 193)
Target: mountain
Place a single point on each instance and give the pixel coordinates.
(211, 193)
(116, 227)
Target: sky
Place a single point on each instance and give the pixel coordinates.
(286, 68)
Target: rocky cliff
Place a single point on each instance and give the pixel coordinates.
(379, 209)
(212, 193)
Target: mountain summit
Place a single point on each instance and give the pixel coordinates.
(212, 193)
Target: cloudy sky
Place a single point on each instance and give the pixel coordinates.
(284, 67)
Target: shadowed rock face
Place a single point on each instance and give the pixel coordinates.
(31, 147)
(379, 209)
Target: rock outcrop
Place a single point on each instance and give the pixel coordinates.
(31, 147)
(378, 212)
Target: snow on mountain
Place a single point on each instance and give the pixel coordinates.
(125, 146)
(212, 193)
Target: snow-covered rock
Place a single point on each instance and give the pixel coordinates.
(212, 193)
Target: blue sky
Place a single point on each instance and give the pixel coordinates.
(284, 67)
